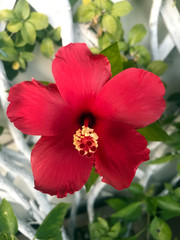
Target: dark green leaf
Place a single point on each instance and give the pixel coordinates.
(116, 203)
(50, 228)
(120, 9)
(136, 34)
(136, 189)
(1, 129)
(160, 230)
(157, 67)
(175, 97)
(151, 205)
(92, 179)
(8, 221)
(174, 141)
(6, 236)
(7, 15)
(130, 212)
(178, 168)
(10, 54)
(14, 27)
(19, 41)
(38, 20)
(130, 238)
(154, 132)
(28, 33)
(22, 9)
(109, 23)
(114, 57)
(47, 47)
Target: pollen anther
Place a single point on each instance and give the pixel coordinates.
(85, 141)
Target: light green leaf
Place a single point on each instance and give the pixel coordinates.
(115, 230)
(120, 9)
(162, 160)
(109, 23)
(28, 56)
(55, 34)
(92, 179)
(123, 46)
(10, 54)
(104, 4)
(22, 63)
(116, 203)
(141, 55)
(38, 20)
(160, 230)
(5, 40)
(8, 221)
(86, 13)
(104, 41)
(8, 15)
(130, 212)
(114, 57)
(19, 41)
(103, 223)
(6, 236)
(136, 34)
(47, 47)
(154, 132)
(28, 33)
(14, 27)
(22, 9)
(50, 228)
(157, 67)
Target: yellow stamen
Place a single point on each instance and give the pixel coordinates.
(85, 141)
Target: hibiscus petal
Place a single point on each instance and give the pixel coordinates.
(134, 96)
(121, 149)
(57, 166)
(37, 109)
(78, 73)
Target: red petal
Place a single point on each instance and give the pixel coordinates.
(78, 73)
(121, 149)
(37, 109)
(57, 166)
(134, 96)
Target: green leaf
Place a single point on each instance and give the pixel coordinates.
(178, 168)
(1, 129)
(141, 55)
(116, 203)
(8, 221)
(175, 97)
(6, 236)
(38, 20)
(28, 33)
(14, 27)
(5, 40)
(104, 41)
(174, 141)
(157, 67)
(115, 230)
(10, 54)
(123, 46)
(109, 23)
(47, 47)
(154, 132)
(120, 9)
(103, 223)
(50, 228)
(8, 15)
(22, 63)
(104, 4)
(130, 212)
(151, 205)
(28, 56)
(136, 34)
(160, 230)
(86, 13)
(162, 160)
(136, 189)
(22, 9)
(92, 179)
(114, 57)
(19, 41)
(55, 34)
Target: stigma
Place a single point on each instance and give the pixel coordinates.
(85, 141)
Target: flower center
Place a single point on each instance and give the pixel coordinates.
(85, 141)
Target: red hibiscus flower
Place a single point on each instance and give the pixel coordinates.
(86, 119)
